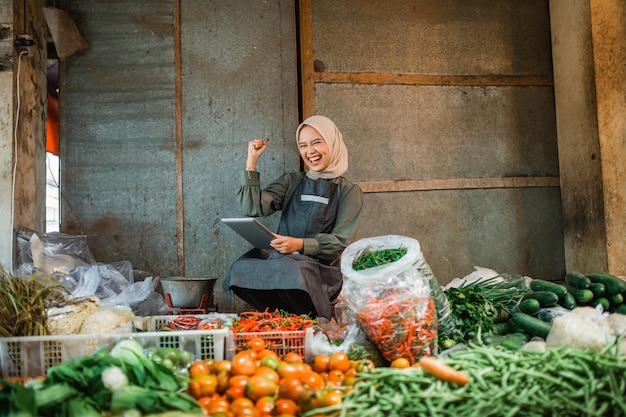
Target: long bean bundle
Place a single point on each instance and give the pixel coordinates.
(558, 382)
(24, 303)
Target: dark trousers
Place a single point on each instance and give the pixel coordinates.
(292, 301)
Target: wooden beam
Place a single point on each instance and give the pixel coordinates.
(499, 80)
(457, 184)
(180, 209)
(30, 112)
(307, 70)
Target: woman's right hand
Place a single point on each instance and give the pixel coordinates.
(256, 147)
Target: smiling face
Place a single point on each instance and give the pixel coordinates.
(313, 149)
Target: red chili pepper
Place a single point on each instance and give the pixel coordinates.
(401, 326)
(185, 322)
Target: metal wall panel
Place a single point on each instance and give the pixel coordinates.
(117, 131)
(239, 84)
(119, 149)
(433, 36)
(475, 103)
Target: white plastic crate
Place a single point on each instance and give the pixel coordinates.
(279, 342)
(33, 355)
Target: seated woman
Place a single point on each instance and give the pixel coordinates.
(301, 274)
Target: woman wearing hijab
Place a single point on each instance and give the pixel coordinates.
(320, 208)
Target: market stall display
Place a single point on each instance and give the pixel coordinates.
(516, 346)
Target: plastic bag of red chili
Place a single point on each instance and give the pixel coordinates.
(390, 296)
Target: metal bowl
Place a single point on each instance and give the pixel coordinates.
(186, 292)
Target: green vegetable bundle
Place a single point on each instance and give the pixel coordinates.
(478, 306)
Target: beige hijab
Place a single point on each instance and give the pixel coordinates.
(338, 152)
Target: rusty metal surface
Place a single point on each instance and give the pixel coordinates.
(118, 143)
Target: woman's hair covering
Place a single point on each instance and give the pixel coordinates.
(332, 136)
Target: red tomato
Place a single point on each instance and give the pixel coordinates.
(339, 361)
(202, 386)
(293, 357)
(198, 368)
(243, 364)
(257, 344)
(239, 404)
(265, 405)
(312, 380)
(291, 388)
(259, 386)
(286, 369)
(285, 406)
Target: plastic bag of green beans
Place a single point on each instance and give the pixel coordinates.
(391, 269)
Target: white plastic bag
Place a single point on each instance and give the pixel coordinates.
(392, 302)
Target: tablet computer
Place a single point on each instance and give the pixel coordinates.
(252, 230)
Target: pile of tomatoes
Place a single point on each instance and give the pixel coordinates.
(258, 383)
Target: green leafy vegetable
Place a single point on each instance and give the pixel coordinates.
(479, 305)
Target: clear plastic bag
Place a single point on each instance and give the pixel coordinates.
(354, 343)
(392, 302)
(413, 260)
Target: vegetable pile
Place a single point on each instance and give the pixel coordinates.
(370, 259)
(266, 321)
(478, 306)
(115, 381)
(557, 382)
(579, 290)
(400, 326)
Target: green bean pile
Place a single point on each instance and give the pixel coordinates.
(370, 259)
(558, 382)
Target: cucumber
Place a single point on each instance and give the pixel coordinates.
(543, 285)
(581, 296)
(502, 328)
(531, 325)
(510, 341)
(598, 289)
(620, 309)
(577, 280)
(523, 337)
(545, 298)
(616, 300)
(512, 344)
(602, 301)
(569, 302)
(530, 306)
(613, 284)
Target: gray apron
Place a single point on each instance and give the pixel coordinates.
(296, 283)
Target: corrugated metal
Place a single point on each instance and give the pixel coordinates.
(239, 84)
(238, 77)
(118, 143)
